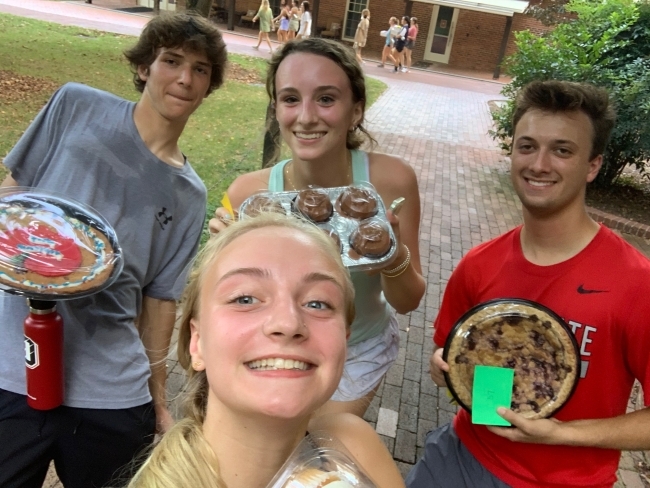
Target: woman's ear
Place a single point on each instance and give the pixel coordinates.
(357, 115)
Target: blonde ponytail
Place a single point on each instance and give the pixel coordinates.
(182, 459)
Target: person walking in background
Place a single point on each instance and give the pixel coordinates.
(285, 15)
(361, 35)
(305, 21)
(294, 19)
(400, 43)
(265, 16)
(410, 43)
(386, 53)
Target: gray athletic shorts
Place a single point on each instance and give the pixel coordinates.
(447, 463)
(366, 364)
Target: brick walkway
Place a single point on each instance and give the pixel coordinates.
(439, 125)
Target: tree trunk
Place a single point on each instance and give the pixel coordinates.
(315, 7)
(203, 7)
(231, 15)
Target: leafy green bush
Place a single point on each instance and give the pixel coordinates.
(607, 43)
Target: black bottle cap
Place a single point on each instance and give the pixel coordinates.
(41, 304)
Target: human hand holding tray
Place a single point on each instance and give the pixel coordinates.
(520, 335)
(54, 248)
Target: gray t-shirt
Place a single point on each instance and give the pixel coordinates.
(85, 144)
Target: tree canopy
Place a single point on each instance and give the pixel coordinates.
(604, 42)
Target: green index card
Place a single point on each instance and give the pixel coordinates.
(492, 389)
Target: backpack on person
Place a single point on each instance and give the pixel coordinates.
(400, 40)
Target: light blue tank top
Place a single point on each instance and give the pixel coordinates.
(373, 312)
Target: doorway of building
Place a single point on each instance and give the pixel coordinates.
(164, 4)
(441, 34)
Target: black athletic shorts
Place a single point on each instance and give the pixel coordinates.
(446, 463)
(89, 447)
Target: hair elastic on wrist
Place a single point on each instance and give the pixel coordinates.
(393, 273)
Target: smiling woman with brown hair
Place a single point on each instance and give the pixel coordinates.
(318, 92)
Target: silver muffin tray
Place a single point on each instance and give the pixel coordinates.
(342, 225)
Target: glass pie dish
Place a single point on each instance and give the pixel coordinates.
(518, 334)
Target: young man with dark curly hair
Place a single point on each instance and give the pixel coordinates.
(122, 159)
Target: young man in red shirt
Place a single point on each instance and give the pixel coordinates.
(587, 274)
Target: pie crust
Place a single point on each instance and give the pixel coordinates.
(518, 334)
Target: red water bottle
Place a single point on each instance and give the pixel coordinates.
(44, 355)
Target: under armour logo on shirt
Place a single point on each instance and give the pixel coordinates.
(162, 218)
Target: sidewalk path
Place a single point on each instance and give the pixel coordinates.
(439, 125)
(76, 13)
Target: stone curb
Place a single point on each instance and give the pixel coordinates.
(619, 223)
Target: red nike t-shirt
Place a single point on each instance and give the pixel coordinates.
(602, 293)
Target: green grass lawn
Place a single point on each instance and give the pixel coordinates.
(222, 140)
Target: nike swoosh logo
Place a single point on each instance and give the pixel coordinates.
(584, 291)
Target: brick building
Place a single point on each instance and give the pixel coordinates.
(465, 34)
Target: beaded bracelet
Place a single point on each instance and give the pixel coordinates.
(395, 272)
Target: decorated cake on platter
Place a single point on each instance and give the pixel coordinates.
(51, 249)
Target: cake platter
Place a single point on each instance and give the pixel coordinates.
(522, 335)
(54, 248)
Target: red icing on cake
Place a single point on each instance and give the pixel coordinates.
(44, 250)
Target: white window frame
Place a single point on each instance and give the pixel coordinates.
(345, 17)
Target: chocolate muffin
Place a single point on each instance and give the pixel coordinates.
(371, 239)
(357, 203)
(261, 203)
(315, 204)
